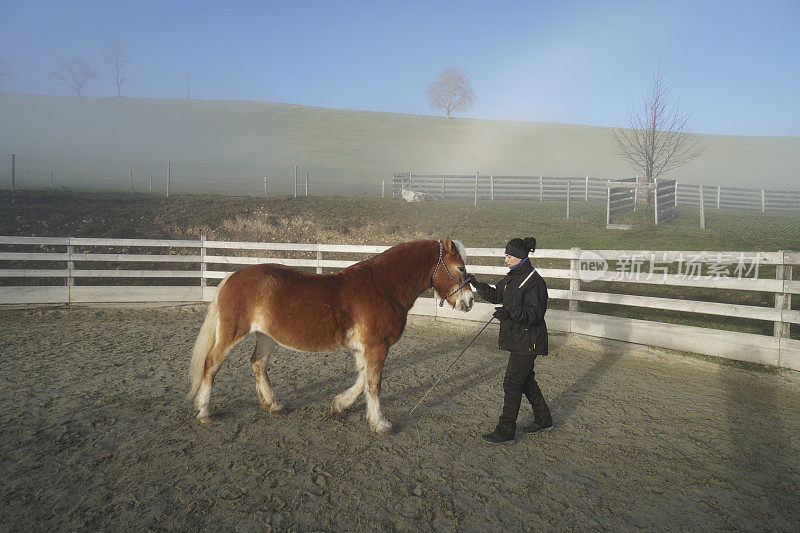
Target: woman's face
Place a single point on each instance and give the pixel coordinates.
(511, 261)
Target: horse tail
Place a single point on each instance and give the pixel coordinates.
(205, 341)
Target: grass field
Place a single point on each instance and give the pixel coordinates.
(228, 146)
(386, 222)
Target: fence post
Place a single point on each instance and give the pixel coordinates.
(586, 190)
(295, 181)
(306, 183)
(70, 269)
(655, 202)
(763, 201)
(540, 188)
(169, 176)
(320, 257)
(676, 193)
(130, 173)
(383, 188)
(150, 182)
(569, 185)
(783, 299)
(443, 178)
(51, 179)
(608, 202)
(265, 185)
(203, 281)
(702, 209)
(476, 187)
(13, 172)
(491, 187)
(574, 280)
(719, 188)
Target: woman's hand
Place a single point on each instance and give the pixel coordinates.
(501, 313)
(469, 278)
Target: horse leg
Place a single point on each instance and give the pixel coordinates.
(214, 359)
(265, 345)
(346, 399)
(372, 391)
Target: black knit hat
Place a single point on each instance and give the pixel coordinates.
(520, 248)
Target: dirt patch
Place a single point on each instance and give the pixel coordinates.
(97, 433)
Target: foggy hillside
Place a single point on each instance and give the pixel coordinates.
(210, 142)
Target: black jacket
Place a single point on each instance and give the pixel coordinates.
(525, 331)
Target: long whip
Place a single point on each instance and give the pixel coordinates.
(464, 350)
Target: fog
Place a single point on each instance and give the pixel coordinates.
(230, 146)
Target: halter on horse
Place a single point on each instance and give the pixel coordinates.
(362, 308)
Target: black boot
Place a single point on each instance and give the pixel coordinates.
(536, 428)
(495, 438)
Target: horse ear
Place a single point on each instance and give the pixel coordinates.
(449, 247)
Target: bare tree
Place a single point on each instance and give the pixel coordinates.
(451, 92)
(658, 135)
(74, 73)
(117, 59)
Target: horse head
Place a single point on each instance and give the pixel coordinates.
(448, 276)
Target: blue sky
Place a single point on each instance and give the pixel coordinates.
(736, 64)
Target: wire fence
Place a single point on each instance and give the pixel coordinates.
(179, 176)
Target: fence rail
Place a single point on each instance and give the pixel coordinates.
(198, 262)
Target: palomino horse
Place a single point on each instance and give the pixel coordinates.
(363, 308)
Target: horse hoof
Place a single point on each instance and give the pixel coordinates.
(383, 428)
(335, 408)
(277, 411)
(204, 420)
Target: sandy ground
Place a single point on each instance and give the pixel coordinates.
(97, 434)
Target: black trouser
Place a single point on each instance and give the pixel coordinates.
(520, 380)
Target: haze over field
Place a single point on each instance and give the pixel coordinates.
(345, 151)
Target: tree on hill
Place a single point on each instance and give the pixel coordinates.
(451, 92)
(74, 73)
(658, 134)
(117, 59)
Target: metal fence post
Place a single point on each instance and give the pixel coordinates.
(51, 179)
(586, 190)
(574, 280)
(702, 209)
(540, 189)
(719, 189)
(608, 202)
(383, 188)
(13, 172)
(476, 187)
(443, 178)
(295, 181)
(783, 299)
(306, 183)
(491, 187)
(265, 185)
(676, 193)
(569, 185)
(169, 176)
(763, 201)
(130, 173)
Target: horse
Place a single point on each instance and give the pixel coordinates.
(362, 308)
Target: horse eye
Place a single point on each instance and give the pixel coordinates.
(462, 270)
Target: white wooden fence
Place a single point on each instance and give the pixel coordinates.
(479, 187)
(67, 270)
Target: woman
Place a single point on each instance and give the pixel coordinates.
(523, 332)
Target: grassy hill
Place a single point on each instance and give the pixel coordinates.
(228, 146)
